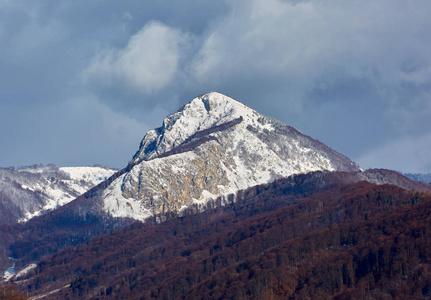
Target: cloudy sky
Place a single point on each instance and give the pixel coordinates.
(82, 81)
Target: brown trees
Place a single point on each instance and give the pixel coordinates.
(272, 245)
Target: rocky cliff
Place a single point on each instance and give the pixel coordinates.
(211, 147)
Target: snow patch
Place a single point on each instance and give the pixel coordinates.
(24, 271)
(9, 273)
(119, 206)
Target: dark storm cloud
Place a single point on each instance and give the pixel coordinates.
(355, 75)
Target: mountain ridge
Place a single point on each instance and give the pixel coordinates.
(213, 146)
(30, 191)
(213, 164)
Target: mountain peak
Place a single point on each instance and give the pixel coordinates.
(214, 108)
(216, 103)
(203, 112)
(212, 147)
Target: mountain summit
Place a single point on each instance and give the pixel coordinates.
(202, 113)
(212, 147)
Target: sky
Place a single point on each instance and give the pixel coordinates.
(82, 81)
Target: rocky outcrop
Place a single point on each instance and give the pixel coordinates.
(213, 146)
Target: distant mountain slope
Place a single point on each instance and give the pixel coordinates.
(27, 192)
(426, 178)
(278, 241)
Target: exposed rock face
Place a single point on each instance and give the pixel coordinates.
(211, 147)
(177, 181)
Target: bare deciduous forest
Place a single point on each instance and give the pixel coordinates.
(346, 242)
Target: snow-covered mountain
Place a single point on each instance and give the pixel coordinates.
(213, 146)
(31, 191)
(419, 177)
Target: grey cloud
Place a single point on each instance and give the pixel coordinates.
(61, 132)
(356, 75)
(352, 67)
(406, 154)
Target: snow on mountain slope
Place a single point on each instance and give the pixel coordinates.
(84, 178)
(31, 191)
(213, 146)
(426, 178)
(200, 114)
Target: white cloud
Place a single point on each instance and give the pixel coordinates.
(314, 43)
(408, 154)
(148, 63)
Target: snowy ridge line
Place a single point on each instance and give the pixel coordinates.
(200, 137)
(216, 128)
(333, 155)
(213, 146)
(205, 112)
(34, 190)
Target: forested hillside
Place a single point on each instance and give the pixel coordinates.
(348, 242)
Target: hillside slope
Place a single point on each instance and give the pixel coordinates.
(349, 241)
(31, 191)
(204, 155)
